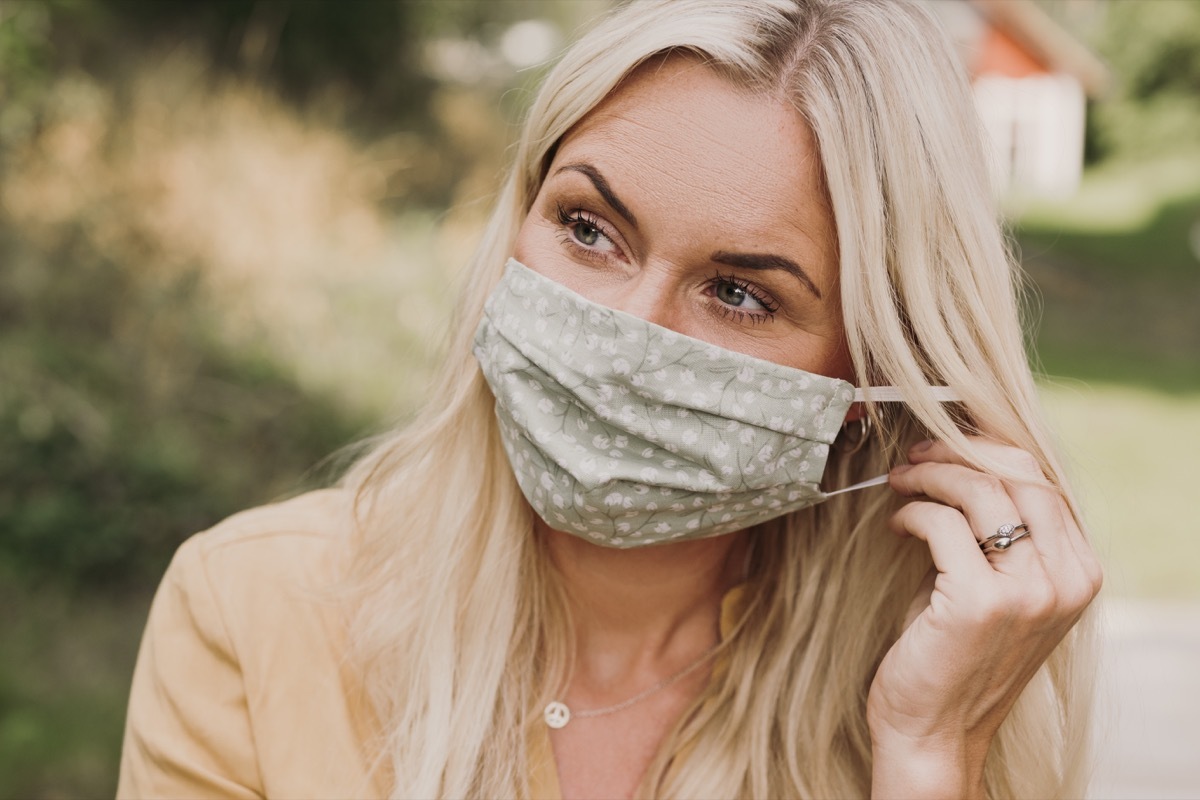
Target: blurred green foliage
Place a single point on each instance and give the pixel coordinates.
(124, 425)
(126, 419)
(1117, 278)
(1153, 50)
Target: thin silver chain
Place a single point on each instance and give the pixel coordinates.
(658, 687)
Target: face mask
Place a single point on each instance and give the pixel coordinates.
(630, 434)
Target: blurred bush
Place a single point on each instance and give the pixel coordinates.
(218, 221)
(125, 425)
(1154, 107)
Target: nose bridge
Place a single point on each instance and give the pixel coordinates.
(650, 294)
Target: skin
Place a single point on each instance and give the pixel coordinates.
(691, 203)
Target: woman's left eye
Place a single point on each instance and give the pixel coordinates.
(738, 296)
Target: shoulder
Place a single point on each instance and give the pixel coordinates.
(242, 685)
(271, 574)
(306, 522)
(299, 542)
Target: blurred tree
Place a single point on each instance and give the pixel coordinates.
(1154, 50)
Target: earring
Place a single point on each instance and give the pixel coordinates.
(852, 443)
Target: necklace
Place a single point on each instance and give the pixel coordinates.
(557, 714)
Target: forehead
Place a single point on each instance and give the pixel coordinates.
(676, 135)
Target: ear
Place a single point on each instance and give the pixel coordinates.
(857, 411)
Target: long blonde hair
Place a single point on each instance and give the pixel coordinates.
(460, 628)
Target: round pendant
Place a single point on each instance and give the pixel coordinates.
(557, 715)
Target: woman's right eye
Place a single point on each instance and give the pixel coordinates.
(586, 232)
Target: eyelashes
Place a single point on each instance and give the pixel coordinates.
(732, 297)
(732, 291)
(580, 226)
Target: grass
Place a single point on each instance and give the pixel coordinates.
(1118, 286)
(1117, 281)
(1132, 452)
(64, 681)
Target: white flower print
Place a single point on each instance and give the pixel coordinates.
(618, 499)
(745, 374)
(621, 367)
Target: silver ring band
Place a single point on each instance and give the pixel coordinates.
(1004, 537)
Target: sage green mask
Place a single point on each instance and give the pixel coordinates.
(629, 434)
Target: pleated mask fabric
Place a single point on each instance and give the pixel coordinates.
(630, 434)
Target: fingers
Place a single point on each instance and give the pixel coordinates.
(981, 503)
(950, 540)
(1056, 548)
(1031, 499)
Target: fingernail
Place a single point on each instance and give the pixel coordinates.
(921, 447)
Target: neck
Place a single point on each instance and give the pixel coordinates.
(644, 610)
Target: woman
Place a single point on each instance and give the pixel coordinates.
(598, 563)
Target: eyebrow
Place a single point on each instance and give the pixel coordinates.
(766, 261)
(745, 260)
(602, 187)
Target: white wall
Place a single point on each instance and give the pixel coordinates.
(1036, 125)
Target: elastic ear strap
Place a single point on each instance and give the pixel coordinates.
(882, 479)
(891, 394)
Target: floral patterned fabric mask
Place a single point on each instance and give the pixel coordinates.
(630, 434)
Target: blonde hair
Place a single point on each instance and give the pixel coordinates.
(460, 628)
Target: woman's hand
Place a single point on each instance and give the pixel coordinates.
(984, 623)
